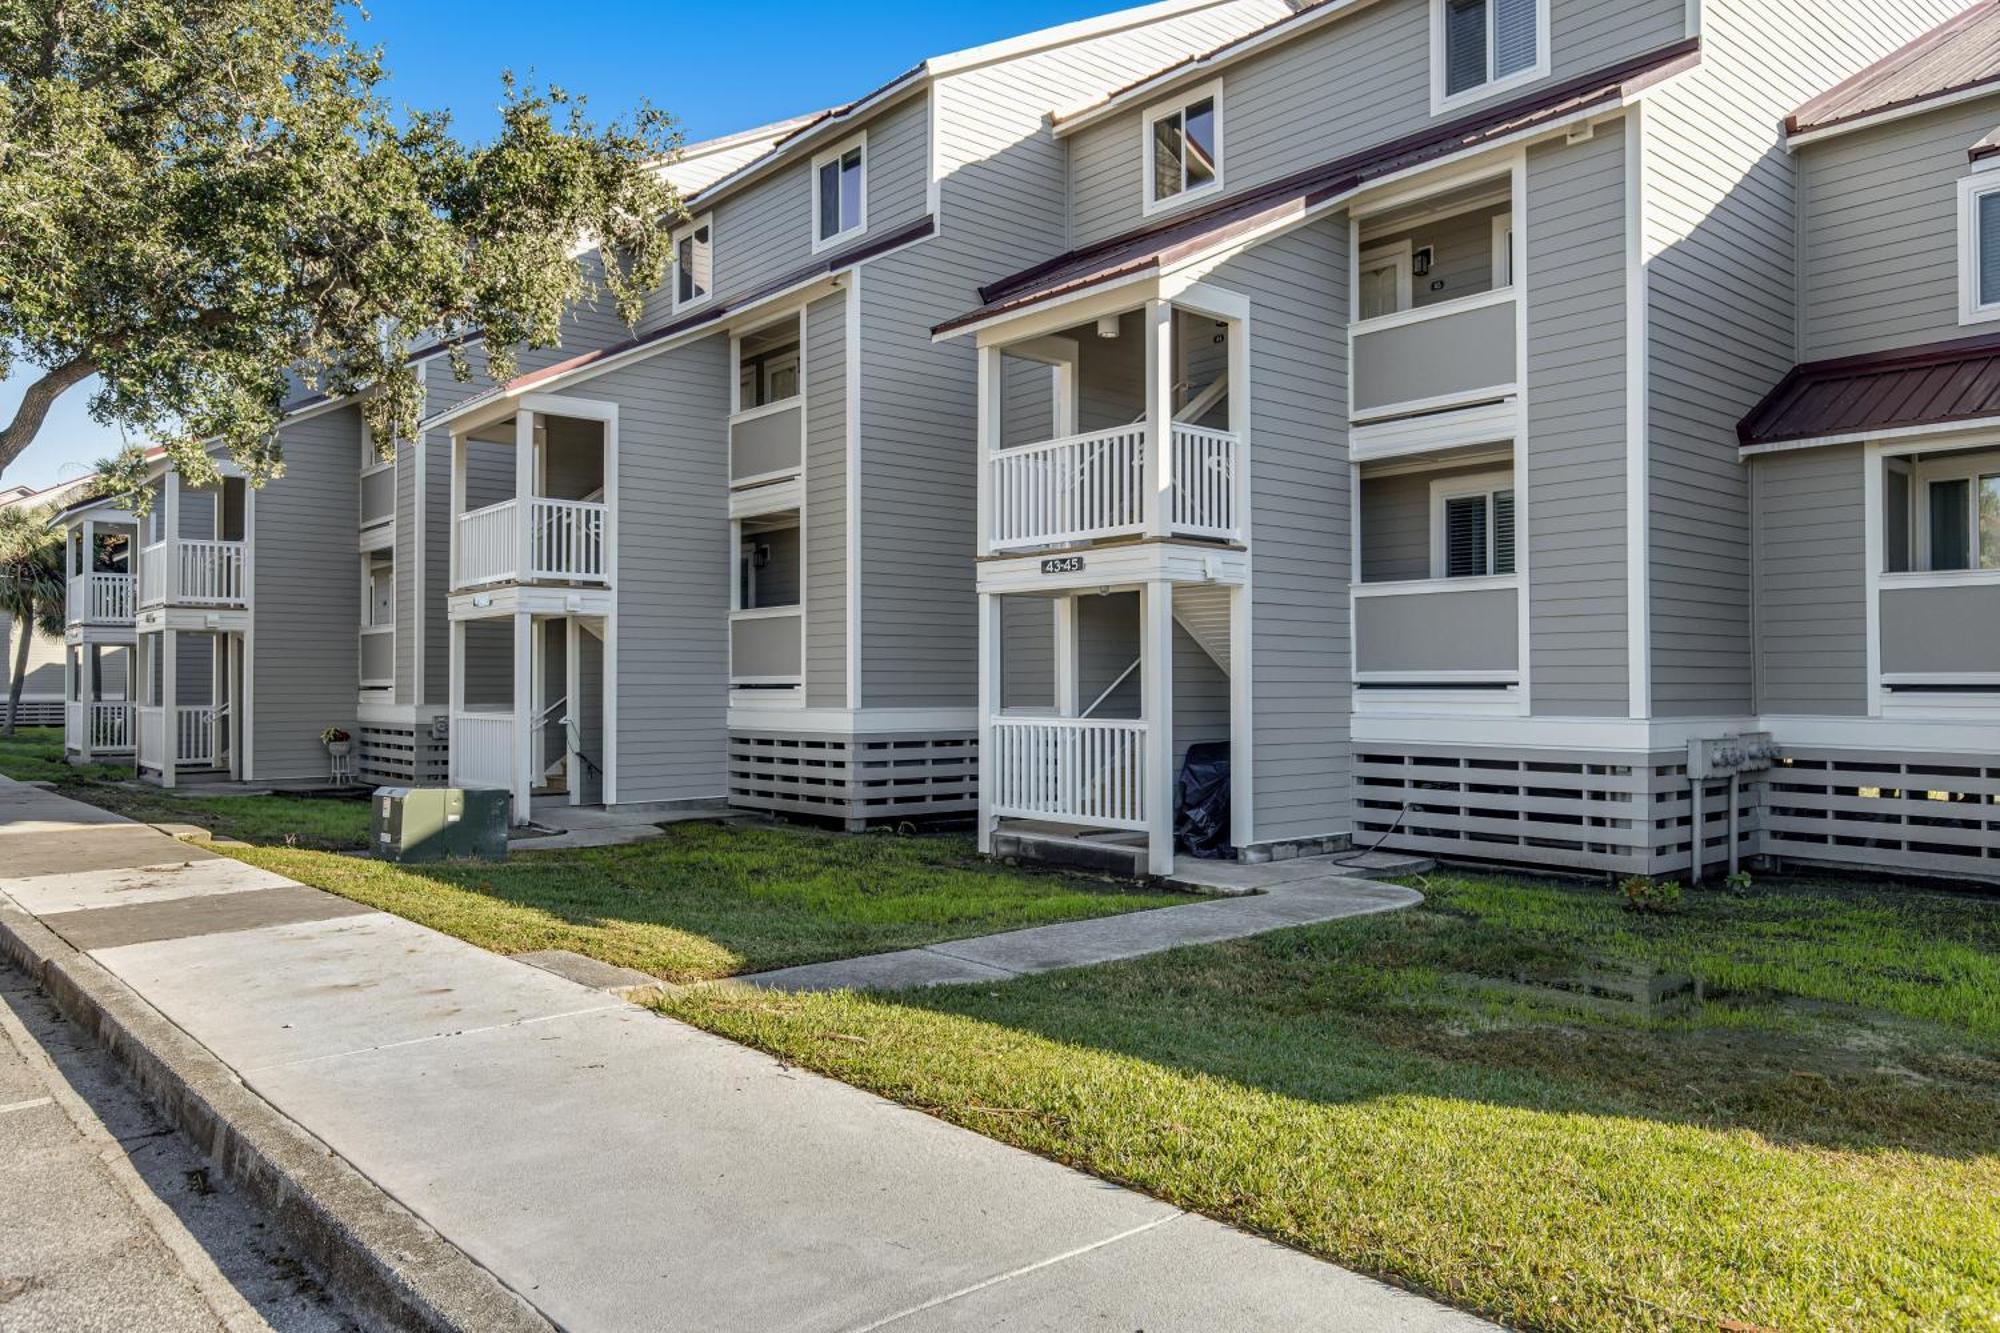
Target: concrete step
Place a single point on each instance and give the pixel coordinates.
(1054, 849)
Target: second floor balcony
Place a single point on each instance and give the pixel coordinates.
(101, 598)
(530, 503)
(1121, 428)
(182, 571)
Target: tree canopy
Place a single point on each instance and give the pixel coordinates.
(196, 198)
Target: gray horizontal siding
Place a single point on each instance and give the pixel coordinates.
(1396, 521)
(673, 572)
(1576, 427)
(826, 503)
(1811, 582)
(1357, 80)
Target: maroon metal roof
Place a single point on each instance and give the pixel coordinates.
(1961, 53)
(1206, 228)
(1913, 386)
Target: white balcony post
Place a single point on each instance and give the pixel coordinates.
(170, 533)
(457, 507)
(524, 712)
(989, 705)
(170, 695)
(1156, 690)
(992, 366)
(1159, 470)
(1068, 694)
(524, 499)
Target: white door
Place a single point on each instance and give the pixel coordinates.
(1385, 282)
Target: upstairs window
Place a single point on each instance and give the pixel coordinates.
(1979, 248)
(1184, 148)
(1482, 46)
(767, 365)
(694, 265)
(840, 193)
(1473, 522)
(1964, 516)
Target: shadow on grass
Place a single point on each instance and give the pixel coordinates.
(1792, 1049)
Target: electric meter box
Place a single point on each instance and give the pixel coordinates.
(437, 823)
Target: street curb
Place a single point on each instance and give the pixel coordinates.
(386, 1265)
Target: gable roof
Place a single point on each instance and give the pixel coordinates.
(1959, 56)
(1163, 245)
(1930, 385)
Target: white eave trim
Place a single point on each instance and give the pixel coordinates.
(1067, 120)
(1882, 435)
(1893, 113)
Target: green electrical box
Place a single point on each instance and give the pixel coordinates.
(433, 823)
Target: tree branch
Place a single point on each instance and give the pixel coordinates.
(35, 404)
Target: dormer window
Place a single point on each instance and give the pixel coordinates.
(840, 193)
(1979, 248)
(694, 265)
(1184, 149)
(1479, 47)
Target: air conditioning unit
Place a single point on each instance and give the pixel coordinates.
(438, 823)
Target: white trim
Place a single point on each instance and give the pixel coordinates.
(852, 487)
(1500, 258)
(1888, 114)
(1523, 520)
(1419, 587)
(834, 154)
(1895, 439)
(706, 222)
(1483, 423)
(854, 721)
(1971, 190)
(771, 498)
(1483, 485)
(1638, 455)
(1149, 204)
(1442, 101)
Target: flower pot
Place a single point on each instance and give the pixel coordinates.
(338, 747)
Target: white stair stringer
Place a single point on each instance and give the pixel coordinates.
(1202, 609)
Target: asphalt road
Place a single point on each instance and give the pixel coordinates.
(111, 1220)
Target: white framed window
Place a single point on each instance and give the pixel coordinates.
(1183, 148)
(378, 590)
(1956, 503)
(1979, 248)
(1472, 526)
(840, 192)
(694, 264)
(768, 364)
(1503, 250)
(1483, 47)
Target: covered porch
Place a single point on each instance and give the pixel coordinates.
(187, 717)
(534, 495)
(528, 704)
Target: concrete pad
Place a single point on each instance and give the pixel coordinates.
(180, 878)
(588, 971)
(1188, 1275)
(321, 988)
(655, 1168)
(205, 914)
(905, 969)
(57, 849)
(30, 809)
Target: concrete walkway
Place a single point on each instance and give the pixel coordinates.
(1265, 897)
(619, 1170)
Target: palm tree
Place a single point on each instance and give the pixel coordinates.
(31, 590)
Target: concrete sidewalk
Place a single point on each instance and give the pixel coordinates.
(619, 1170)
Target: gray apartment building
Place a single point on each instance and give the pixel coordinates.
(1553, 432)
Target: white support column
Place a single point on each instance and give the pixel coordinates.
(1156, 690)
(458, 461)
(1069, 699)
(170, 527)
(989, 706)
(1159, 472)
(524, 712)
(234, 682)
(524, 496)
(454, 693)
(170, 695)
(573, 691)
(991, 369)
(87, 557)
(1242, 737)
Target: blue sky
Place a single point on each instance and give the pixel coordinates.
(717, 68)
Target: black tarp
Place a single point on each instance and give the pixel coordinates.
(1201, 802)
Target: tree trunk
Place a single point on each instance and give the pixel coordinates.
(19, 679)
(36, 400)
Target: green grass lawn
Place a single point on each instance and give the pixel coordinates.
(1816, 1148)
(35, 754)
(714, 900)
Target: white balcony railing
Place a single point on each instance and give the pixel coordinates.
(1084, 770)
(1089, 487)
(192, 573)
(101, 728)
(152, 724)
(100, 599)
(195, 730)
(482, 750)
(566, 541)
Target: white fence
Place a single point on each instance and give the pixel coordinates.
(152, 737)
(100, 599)
(566, 542)
(482, 750)
(194, 734)
(1087, 487)
(1084, 770)
(99, 728)
(193, 573)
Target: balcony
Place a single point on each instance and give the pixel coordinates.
(100, 599)
(378, 495)
(1940, 630)
(1090, 487)
(99, 728)
(767, 443)
(1435, 357)
(550, 541)
(1086, 771)
(1430, 632)
(194, 729)
(182, 572)
(378, 657)
(767, 649)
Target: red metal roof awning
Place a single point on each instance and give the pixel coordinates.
(1935, 384)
